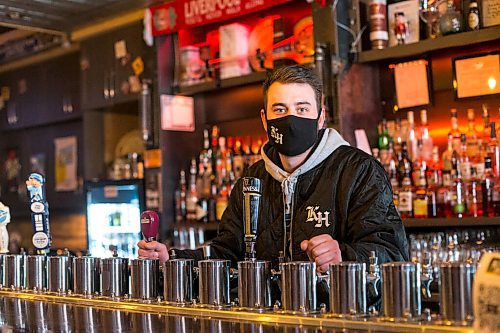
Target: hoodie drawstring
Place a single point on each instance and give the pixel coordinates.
(288, 188)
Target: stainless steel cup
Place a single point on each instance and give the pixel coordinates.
(60, 274)
(86, 276)
(348, 288)
(298, 286)
(15, 271)
(254, 284)
(401, 291)
(36, 271)
(178, 281)
(214, 282)
(115, 277)
(455, 292)
(144, 274)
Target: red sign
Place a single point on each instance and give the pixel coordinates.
(181, 14)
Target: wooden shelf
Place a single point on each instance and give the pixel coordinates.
(430, 45)
(254, 77)
(452, 222)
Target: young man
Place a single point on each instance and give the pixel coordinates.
(322, 200)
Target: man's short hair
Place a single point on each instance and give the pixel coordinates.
(294, 74)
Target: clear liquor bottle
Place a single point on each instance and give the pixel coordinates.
(472, 135)
(455, 131)
(487, 187)
(457, 191)
(474, 196)
(465, 162)
(494, 150)
(421, 201)
(411, 141)
(424, 135)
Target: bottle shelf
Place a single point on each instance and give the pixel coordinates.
(430, 45)
(254, 77)
(446, 222)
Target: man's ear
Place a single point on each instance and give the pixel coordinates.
(263, 118)
(321, 120)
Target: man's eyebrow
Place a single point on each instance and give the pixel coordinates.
(279, 104)
(303, 103)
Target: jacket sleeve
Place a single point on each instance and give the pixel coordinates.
(373, 223)
(229, 241)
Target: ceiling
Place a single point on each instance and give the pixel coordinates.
(61, 16)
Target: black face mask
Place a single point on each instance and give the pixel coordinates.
(292, 135)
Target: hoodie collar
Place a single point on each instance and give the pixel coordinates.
(329, 142)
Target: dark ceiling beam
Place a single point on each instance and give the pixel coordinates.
(32, 26)
(33, 6)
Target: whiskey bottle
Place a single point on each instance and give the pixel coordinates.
(487, 187)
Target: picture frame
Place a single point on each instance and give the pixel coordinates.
(403, 22)
(476, 76)
(412, 83)
(490, 12)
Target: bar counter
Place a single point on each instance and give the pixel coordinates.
(34, 312)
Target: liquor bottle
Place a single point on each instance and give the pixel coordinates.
(473, 21)
(215, 149)
(405, 204)
(424, 135)
(494, 150)
(384, 138)
(477, 160)
(446, 158)
(182, 204)
(393, 178)
(192, 196)
(455, 131)
(465, 163)
(496, 196)
(398, 136)
(238, 159)
(486, 124)
(420, 202)
(404, 165)
(472, 137)
(378, 24)
(221, 203)
(220, 161)
(437, 195)
(474, 196)
(411, 140)
(487, 186)
(418, 163)
(457, 191)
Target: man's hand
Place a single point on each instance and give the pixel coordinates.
(323, 250)
(153, 250)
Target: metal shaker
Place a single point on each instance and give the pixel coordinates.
(178, 281)
(115, 277)
(455, 292)
(144, 274)
(254, 284)
(298, 286)
(60, 276)
(401, 291)
(14, 270)
(36, 271)
(214, 275)
(348, 288)
(86, 276)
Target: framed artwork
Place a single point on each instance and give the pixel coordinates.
(477, 75)
(403, 20)
(12, 169)
(490, 13)
(412, 81)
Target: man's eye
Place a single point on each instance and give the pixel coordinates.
(279, 110)
(303, 110)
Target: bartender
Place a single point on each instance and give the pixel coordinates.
(322, 200)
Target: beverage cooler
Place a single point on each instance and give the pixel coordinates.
(113, 210)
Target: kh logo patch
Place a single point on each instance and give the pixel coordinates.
(314, 215)
(278, 137)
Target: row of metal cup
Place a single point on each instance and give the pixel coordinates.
(139, 279)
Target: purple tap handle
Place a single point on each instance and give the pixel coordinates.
(149, 225)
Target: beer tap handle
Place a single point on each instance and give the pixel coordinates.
(252, 191)
(373, 273)
(172, 254)
(427, 275)
(150, 223)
